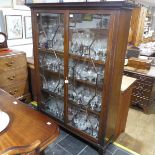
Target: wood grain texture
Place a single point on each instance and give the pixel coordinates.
(119, 46)
(14, 74)
(141, 94)
(12, 60)
(17, 89)
(123, 109)
(29, 150)
(118, 30)
(26, 125)
(137, 24)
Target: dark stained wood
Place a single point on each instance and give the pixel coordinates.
(121, 31)
(83, 5)
(26, 125)
(58, 53)
(117, 35)
(32, 79)
(66, 49)
(76, 57)
(141, 94)
(124, 105)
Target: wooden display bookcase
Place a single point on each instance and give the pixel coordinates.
(79, 51)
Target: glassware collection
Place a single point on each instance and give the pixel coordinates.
(54, 106)
(84, 45)
(51, 62)
(91, 73)
(87, 46)
(88, 123)
(85, 96)
(51, 31)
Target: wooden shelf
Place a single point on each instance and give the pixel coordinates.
(88, 83)
(53, 94)
(75, 128)
(50, 51)
(77, 57)
(50, 114)
(48, 70)
(82, 107)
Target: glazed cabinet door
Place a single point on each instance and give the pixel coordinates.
(88, 41)
(51, 63)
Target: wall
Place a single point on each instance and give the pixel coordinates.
(24, 44)
(153, 18)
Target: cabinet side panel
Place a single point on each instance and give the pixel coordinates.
(123, 110)
(121, 29)
(35, 54)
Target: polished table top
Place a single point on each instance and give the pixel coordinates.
(26, 125)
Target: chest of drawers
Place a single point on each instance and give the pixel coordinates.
(141, 94)
(14, 75)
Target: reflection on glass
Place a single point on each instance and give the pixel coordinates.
(86, 96)
(88, 35)
(53, 106)
(52, 83)
(86, 71)
(51, 43)
(51, 31)
(51, 62)
(88, 123)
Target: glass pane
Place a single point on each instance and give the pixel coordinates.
(88, 34)
(51, 63)
(52, 105)
(51, 31)
(89, 123)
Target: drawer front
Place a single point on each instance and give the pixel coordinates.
(140, 101)
(13, 76)
(143, 85)
(145, 80)
(12, 61)
(141, 93)
(18, 89)
(140, 78)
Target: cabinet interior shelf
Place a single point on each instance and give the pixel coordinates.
(75, 80)
(53, 94)
(72, 102)
(52, 72)
(88, 83)
(84, 108)
(50, 51)
(51, 115)
(82, 132)
(77, 57)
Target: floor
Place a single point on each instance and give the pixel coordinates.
(139, 135)
(67, 144)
